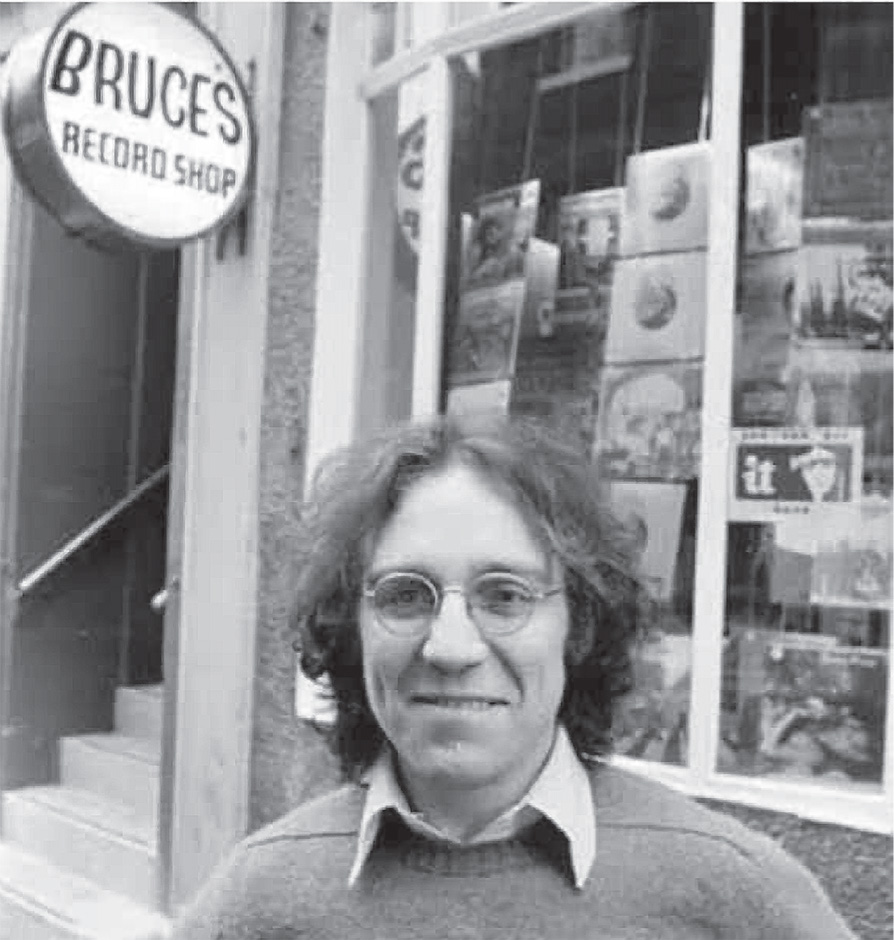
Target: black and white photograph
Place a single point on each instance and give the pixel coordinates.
(446, 470)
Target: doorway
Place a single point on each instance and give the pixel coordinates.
(86, 401)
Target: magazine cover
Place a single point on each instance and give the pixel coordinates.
(768, 290)
(589, 227)
(658, 308)
(774, 195)
(666, 200)
(486, 336)
(846, 278)
(780, 472)
(848, 170)
(503, 224)
(847, 386)
(654, 512)
(649, 423)
(822, 710)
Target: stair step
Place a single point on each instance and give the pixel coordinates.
(139, 710)
(121, 768)
(39, 901)
(99, 839)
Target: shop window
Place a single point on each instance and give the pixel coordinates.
(809, 565)
(562, 188)
(576, 286)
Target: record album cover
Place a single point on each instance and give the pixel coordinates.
(649, 424)
(496, 242)
(658, 308)
(653, 512)
(589, 229)
(768, 297)
(486, 334)
(822, 710)
(666, 200)
(846, 292)
(774, 195)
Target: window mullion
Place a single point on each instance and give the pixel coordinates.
(711, 539)
(433, 244)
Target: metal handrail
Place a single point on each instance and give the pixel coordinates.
(89, 532)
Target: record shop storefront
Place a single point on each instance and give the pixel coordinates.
(645, 223)
(653, 226)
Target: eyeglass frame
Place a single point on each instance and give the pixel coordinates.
(439, 591)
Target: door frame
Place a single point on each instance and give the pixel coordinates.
(211, 614)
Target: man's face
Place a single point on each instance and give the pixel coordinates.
(462, 709)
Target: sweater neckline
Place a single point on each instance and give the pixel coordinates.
(527, 849)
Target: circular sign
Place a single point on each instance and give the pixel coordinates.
(130, 120)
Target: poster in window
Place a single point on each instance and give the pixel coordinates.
(822, 710)
(768, 296)
(848, 170)
(653, 513)
(485, 339)
(846, 277)
(658, 308)
(649, 424)
(589, 227)
(666, 200)
(496, 245)
(780, 472)
(774, 195)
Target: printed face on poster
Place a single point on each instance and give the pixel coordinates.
(776, 473)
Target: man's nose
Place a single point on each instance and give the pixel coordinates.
(454, 641)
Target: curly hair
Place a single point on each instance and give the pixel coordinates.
(555, 488)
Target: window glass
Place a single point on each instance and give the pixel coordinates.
(576, 285)
(808, 606)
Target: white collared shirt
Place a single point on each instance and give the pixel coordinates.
(561, 793)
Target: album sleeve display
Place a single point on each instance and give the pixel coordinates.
(658, 308)
(649, 421)
(666, 200)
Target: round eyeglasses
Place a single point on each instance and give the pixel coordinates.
(405, 603)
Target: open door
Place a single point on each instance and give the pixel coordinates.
(85, 411)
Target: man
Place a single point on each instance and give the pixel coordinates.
(471, 601)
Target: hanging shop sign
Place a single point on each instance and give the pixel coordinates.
(130, 121)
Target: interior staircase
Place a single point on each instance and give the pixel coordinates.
(78, 858)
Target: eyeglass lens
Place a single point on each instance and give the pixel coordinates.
(409, 601)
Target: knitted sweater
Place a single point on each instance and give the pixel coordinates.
(665, 868)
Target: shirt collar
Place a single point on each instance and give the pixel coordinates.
(561, 793)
